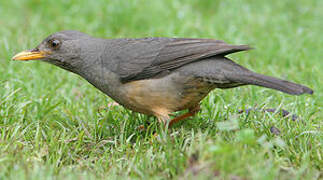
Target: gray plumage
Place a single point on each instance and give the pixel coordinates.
(174, 73)
(144, 58)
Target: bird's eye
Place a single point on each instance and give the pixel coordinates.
(54, 43)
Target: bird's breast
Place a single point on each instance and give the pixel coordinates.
(170, 93)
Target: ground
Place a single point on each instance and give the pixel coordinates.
(53, 124)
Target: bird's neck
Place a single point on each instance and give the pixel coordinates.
(95, 66)
(102, 78)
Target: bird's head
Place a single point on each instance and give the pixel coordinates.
(61, 49)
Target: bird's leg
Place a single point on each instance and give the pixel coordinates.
(161, 115)
(191, 112)
(163, 119)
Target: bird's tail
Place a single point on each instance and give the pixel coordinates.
(270, 82)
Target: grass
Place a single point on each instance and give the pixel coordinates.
(52, 125)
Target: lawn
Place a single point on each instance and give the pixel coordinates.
(55, 125)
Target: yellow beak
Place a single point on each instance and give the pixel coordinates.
(29, 55)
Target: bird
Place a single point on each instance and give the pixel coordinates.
(154, 75)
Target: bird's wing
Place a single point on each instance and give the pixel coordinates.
(151, 57)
